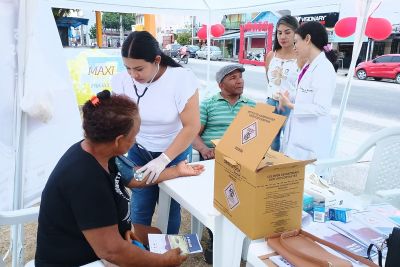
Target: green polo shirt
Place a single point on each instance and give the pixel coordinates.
(216, 114)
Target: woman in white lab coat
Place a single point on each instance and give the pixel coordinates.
(308, 131)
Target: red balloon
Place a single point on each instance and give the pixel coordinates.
(217, 30)
(202, 33)
(345, 27)
(378, 28)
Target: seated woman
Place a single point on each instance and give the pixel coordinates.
(84, 214)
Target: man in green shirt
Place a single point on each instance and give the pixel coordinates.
(218, 111)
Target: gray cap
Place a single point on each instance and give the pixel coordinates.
(225, 70)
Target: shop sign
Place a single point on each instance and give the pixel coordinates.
(327, 19)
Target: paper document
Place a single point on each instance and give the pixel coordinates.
(387, 211)
(322, 231)
(359, 232)
(376, 221)
(161, 243)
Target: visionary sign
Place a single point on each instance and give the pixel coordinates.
(327, 19)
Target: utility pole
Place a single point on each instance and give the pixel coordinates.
(121, 30)
(193, 17)
(99, 30)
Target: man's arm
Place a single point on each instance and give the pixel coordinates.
(199, 145)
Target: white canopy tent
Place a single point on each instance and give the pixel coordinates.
(29, 147)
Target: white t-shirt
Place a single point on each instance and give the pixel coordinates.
(160, 106)
(282, 75)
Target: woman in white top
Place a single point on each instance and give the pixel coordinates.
(308, 131)
(281, 68)
(167, 96)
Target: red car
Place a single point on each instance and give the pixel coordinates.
(383, 67)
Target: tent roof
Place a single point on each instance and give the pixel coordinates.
(182, 7)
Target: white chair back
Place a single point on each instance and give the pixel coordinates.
(383, 178)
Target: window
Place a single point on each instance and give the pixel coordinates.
(383, 59)
(396, 59)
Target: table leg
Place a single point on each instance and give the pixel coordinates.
(245, 250)
(164, 202)
(197, 227)
(227, 245)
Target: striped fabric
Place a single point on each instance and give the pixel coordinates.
(216, 114)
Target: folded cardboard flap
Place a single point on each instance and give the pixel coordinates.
(250, 134)
(278, 160)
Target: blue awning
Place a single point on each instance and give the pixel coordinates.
(71, 21)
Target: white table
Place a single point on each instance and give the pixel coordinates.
(195, 194)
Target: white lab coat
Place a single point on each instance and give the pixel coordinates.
(308, 130)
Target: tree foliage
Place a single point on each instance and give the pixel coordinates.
(62, 12)
(111, 21)
(184, 38)
(92, 32)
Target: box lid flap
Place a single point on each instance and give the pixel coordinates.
(250, 134)
(278, 160)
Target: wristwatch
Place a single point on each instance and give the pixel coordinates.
(138, 176)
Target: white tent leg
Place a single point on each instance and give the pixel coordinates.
(362, 18)
(20, 131)
(17, 234)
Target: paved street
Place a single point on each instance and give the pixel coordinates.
(372, 105)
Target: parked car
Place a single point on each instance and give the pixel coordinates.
(172, 50)
(215, 53)
(383, 67)
(192, 49)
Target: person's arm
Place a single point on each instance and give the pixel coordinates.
(180, 170)
(191, 126)
(285, 101)
(199, 145)
(267, 61)
(108, 244)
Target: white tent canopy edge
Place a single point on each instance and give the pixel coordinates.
(48, 57)
(194, 8)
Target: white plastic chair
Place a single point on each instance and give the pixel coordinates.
(23, 216)
(18, 217)
(383, 179)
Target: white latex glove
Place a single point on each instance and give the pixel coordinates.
(154, 168)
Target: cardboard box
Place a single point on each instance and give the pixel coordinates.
(258, 189)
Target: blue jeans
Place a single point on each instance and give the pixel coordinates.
(143, 200)
(276, 143)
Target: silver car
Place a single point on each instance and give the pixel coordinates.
(215, 53)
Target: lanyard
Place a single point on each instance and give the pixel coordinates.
(303, 71)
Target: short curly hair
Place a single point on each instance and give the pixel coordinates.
(112, 116)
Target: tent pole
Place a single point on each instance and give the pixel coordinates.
(360, 29)
(20, 131)
(368, 47)
(208, 47)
